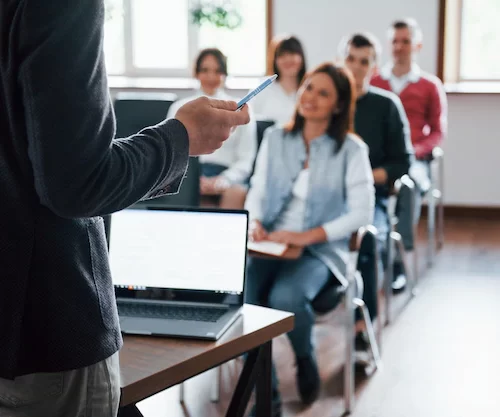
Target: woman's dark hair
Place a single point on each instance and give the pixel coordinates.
(342, 121)
(217, 54)
(280, 46)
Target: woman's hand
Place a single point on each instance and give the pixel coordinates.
(256, 231)
(289, 238)
(301, 239)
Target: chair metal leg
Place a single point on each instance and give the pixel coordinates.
(413, 277)
(431, 227)
(409, 266)
(369, 330)
(415, 259)
(181, 392)
(379, 313)
(440, 222)
(215, 388)
(388, 278)
(349, 352)
(414, 271)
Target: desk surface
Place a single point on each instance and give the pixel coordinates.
(152, 364)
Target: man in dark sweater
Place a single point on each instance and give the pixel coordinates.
(381, 122)
(60, 171)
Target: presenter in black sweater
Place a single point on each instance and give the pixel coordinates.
(61, 170)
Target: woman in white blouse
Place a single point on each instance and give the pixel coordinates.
(277, 102)
(231, 164)
(312, 188)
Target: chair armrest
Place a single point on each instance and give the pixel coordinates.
(358, 236)
(404, 180)
(437, 152)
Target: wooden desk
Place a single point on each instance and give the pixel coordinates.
(152, 364)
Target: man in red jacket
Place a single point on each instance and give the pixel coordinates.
(424, 101)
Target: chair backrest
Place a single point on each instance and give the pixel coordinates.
(262, 125)
(406, 190)
(332, 293)
(136, 110)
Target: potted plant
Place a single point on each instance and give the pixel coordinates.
(221, 14)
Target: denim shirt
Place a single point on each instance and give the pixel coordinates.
(340, 191)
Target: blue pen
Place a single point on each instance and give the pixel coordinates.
(253, 93)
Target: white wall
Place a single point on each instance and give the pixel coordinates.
(473, 144)
(472, 164)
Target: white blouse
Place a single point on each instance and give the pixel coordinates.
(274, 103)
(292, 217)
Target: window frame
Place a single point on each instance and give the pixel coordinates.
(132, 71)
(450, 35)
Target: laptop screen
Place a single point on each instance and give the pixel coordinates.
(178, 249)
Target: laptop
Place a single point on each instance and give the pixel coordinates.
(178, 272)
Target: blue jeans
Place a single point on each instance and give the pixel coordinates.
(211, 170)
(289, 286)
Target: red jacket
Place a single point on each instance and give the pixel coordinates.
(424, 100)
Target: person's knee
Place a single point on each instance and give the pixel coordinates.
(234, 197)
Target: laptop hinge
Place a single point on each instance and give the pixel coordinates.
(171, 302)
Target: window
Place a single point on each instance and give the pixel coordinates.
(480, 44)
(114, 37)
(471, 40)
(157, 38)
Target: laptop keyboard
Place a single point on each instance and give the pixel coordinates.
(171, 312)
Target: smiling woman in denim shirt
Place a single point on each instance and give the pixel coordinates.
(312, 187)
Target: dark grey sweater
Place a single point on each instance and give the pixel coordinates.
(60, 170)
(382, 123)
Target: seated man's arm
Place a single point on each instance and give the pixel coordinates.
(398, 147)
(79, 170)
(437, 120)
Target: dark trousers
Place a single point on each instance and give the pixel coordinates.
(367, 265)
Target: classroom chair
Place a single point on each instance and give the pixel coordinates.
(136, 110)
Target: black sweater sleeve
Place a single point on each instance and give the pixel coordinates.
(80, 170)
(399, 150)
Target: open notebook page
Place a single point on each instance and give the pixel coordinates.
(268, 247)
